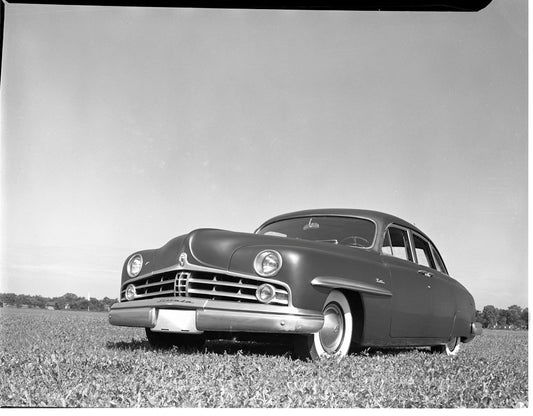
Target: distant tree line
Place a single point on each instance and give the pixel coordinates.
(514, 317)
(67, 301)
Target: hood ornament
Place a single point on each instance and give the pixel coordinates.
(182, 259)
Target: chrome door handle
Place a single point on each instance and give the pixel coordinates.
(426, 274)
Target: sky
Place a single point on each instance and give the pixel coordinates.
(122, 128)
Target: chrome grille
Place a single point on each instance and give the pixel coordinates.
(205, 285)
(226, 287)
(180, 287)
(153, 286)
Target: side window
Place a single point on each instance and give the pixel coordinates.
(387, 246)
(438, 260)
(423, 252)
(396, 244)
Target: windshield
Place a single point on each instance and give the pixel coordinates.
(354, 232)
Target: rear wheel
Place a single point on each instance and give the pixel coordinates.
(169, 339)
(335, 337)
(450, 348)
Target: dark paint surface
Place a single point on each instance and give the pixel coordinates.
(420, 309)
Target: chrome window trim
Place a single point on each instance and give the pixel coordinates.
(409, 237)
(372, 245)
(433, 251)
(429, 245)
(385, 234)
(196, 268)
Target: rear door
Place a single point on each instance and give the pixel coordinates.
(442, 306)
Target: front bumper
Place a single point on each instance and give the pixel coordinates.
(193, 315)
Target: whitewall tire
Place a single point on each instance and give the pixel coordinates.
(335, 337)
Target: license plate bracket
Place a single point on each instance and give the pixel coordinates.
(176, 320)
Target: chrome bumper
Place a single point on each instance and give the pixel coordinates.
(476, 328)
(214, 316)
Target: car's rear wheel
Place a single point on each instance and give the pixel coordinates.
(169, 339)
(450, 348)
(335, 337)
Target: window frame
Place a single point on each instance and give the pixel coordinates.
(412, 251)
(428, 242)
(409, 250)
(436, 257)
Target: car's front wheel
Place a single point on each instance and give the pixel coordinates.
(168, 339)
(335, 337)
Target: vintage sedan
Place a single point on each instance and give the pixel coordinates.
(327, 280)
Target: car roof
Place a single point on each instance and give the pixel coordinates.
(379, 217)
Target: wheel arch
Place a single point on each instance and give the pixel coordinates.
(375, 314)
(358, 313)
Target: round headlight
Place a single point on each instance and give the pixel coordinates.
(267, 263)
(130, 292)
(135, 265)
(265, 293)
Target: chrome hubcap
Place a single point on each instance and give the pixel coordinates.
(332, 333)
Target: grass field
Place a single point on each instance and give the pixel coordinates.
(76, 359)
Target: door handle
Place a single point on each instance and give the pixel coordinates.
(425, 273)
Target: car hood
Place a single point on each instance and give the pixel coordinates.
(215, 248)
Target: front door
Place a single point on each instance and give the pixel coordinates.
(411, 300)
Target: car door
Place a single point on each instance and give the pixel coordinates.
(410, 295)
(442, 305)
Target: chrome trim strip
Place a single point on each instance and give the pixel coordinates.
(152, 294)
(224, 294)
(233, 295)
(159, 283)
(342, 283)
(221, 283)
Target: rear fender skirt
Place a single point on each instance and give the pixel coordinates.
(342, 283)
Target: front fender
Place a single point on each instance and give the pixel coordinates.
(352, 268)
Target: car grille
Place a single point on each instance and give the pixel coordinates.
(204, 285)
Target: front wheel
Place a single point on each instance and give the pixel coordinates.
(335, 337)
(450, 348)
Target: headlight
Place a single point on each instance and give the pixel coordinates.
(267, 263)
(265, 293)
(130, 292)
(135, 265)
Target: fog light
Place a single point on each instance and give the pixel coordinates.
(265, 293)
(130, 292)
